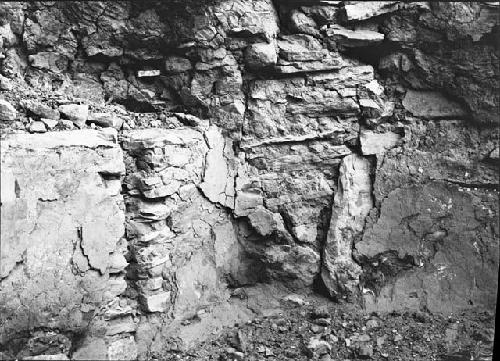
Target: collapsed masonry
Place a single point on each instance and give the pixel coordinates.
(302, 165)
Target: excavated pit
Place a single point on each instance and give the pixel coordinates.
(171, 169)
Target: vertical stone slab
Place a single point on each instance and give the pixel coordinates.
(352, 203)
(62, 217)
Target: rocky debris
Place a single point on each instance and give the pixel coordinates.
(290, 336)
(7, 111)
(432, 105)
(318, 347)
(77, 113)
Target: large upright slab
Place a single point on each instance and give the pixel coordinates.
(62, 218)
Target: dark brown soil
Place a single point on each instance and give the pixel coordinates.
(351, 335)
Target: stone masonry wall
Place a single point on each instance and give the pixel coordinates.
(157, 155)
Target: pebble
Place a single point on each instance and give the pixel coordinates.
(323, 321)
(316, 328)
(5, 83)
(37, 127)
(321, 312)
(66, 124)
(365, 350)
(298, 300)
(371, 324)
(50, 123)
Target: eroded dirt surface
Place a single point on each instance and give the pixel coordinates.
(309, 327)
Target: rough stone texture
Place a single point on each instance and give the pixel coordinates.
(7, 111)
(437, 226)
(352, 203)
(443, 236)
(300, 143)
(432, 105)
(62, 218)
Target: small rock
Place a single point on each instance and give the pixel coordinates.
(364, 338)
(78, 113)
(7, 111)
(59, 356)
(495, 154)
(50, 123)
(5, 83)
(354, 38)
(104, 120)
(176, 64)
(268, 352)
(37, 127)
(380, 341)
(323, 322)
(262, 221)
(398, 338)
(316, 328)
(157, 302)
(147, 73)
(365, 350)
(296, 299)
(372, 323)
(261, 55)
(41, 110)
(321, 312)
(317, 347)
(66, 124)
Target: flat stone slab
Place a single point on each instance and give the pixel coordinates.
(432, 104)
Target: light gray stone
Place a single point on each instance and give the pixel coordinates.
(261, 55)
(77, 113)
(7, 111)
(377, 143)
(37, 127)
(353, 38)
(351, 205)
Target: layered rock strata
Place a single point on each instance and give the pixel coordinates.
(158, 155)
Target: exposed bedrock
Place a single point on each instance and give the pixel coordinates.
(157, 156)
